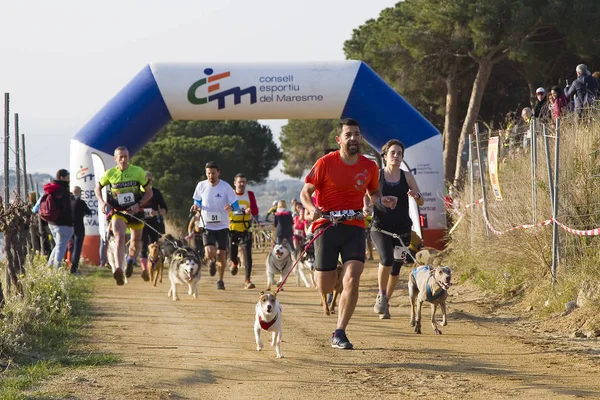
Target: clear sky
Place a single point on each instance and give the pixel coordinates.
(62, 60)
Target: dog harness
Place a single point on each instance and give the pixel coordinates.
(266, 325)
(428, 292)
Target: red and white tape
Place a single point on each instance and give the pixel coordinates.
(589, 232)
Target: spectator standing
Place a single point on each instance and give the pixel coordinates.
(541, 109)
(584, 89)
(62, 227)
(79, 209)
(560, 103)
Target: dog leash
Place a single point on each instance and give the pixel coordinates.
(396, 236)
(334, 217)
(145, 224)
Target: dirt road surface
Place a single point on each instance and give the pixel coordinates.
(204, 349)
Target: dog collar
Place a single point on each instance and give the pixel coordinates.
(266, 325)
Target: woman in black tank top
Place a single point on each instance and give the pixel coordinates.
(393, 182)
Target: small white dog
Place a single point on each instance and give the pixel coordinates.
(268, 317)
(279, 261)
(184, 269)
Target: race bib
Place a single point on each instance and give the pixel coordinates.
(125, 199)
(298, 232)
(213, 218)
(147, 213)
(400, 253)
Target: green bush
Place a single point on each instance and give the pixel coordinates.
(47, 302)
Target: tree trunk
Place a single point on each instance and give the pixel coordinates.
(451, 128)
(481, 80)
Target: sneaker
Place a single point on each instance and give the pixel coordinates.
(386, 314)
(340, 341)
(380, 304)
(234, 269)
(220, 285)
(329, 298)
(145, 275)
(118, 275)
(76, 272)
(212, 267)
(129, 268)
(249, 285)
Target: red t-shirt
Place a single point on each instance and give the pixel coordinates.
(342, 186)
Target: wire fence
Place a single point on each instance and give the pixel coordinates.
(563, 154)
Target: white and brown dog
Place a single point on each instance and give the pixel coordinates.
(430, 284)
(268, 317)
(279, 261)
(184, 268)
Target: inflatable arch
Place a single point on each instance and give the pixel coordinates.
(162, 92)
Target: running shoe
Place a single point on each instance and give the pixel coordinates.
(212, 268)
(145, 275)
(234, 269)
(340, 341)
(118, 275)
(220, 285)
(249, 285)
(129, 268)
(380, 304)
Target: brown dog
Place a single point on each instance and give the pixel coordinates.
(157, 262)
(337, 289)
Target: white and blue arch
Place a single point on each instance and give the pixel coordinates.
(163, 92)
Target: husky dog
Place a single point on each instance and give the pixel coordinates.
(184, 268)
(279, 261)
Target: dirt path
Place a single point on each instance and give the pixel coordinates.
(204, 349)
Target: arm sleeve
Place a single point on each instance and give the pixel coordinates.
(198, 203)
(253, 205)
(235, 205)
(315, 176)
(374, 181)
(104, 180)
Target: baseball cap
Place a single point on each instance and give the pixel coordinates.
(540, 90)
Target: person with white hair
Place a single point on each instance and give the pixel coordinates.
(584, 89)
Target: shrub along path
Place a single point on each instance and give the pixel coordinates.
(204, 348)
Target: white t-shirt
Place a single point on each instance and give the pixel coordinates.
(214, 199)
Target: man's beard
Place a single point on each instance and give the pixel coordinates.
(352, 149)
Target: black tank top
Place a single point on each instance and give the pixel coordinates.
(396, 220)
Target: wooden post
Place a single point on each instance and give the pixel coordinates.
(17, 158)
(7, 250)
(23, 158)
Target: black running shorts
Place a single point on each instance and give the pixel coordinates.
(347, 241)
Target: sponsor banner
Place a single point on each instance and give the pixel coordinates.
(426, 164)
(493, 166)
(218, 91)
(88, 165)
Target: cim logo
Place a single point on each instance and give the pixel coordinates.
(83, 174)
(218, 95)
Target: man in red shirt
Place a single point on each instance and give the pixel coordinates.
(342, 179)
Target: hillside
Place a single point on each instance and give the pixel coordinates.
(34, 179)
(275, 189)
